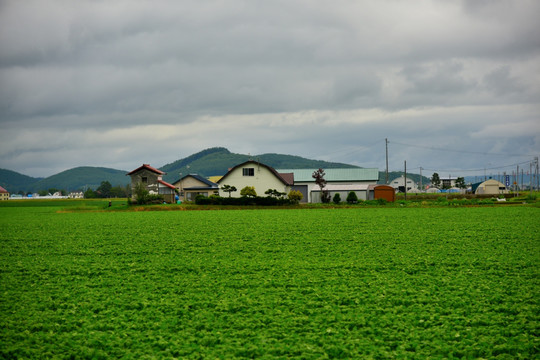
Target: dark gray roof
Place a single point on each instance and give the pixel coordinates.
(201, 179)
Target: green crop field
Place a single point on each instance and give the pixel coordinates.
(274, 283)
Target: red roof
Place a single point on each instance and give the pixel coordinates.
(2, 190)
(288, 177)
(147, 167)
(166, 184)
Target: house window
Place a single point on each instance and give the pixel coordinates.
(144, 179)
(248, 171)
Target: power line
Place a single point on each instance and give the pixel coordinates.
(473, 170)
(458, 151)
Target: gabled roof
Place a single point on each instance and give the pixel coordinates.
(166, 184)
(2, 190)
(147, 167)
(288, 177)
(271, 169)
(336, 175)
(209, 183)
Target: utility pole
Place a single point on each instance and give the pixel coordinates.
(405, 179)
(386, 140)
(521, 178)
(530, 178)
(517, 181)
(421, 188)
(537, 181)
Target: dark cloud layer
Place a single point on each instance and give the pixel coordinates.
(311, 78)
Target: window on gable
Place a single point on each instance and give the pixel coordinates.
(248, 171)
(144, 179)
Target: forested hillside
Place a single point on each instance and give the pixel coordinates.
(209, 162)
(14, 182)
(217, 161)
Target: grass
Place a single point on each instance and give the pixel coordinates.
(324, 283)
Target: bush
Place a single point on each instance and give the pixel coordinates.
(248, 191)
(241, 201)
(295, 196)
(352, 198)
(337, 198)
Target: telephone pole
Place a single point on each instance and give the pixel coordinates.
(537, 181)
(386, 140)
(405, 176)
(421, 188)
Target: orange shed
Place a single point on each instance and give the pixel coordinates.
(381, 192)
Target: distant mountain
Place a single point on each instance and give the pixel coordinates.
(218, 160)
(83, 177)
(74, 179)
(209, 162)
(14, 182)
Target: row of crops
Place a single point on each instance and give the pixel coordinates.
(320, 283)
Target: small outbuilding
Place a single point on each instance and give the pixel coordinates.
(385, 192)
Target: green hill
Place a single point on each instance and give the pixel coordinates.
(81, 178)
(209, 162)
(14, 182)
(217, 161)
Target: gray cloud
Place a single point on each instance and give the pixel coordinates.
(325, 78)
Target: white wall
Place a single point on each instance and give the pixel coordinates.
(262, 180)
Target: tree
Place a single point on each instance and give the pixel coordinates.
(104, 189)
(436, 180)
(460, 183)
(337, 198)
(89, 194)
(248, 191)
(295, 196)
(228, 189)
(118, 191)
(141, 193)
(274, 193)
(352, 198)
(321, 182)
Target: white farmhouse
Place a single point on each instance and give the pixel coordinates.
(253, 173)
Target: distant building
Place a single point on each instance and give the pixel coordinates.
(4, 194)
(399, 185)
(76, 195)
(448, 182)
(489, 187)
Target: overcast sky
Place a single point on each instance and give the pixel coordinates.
(453, 85)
